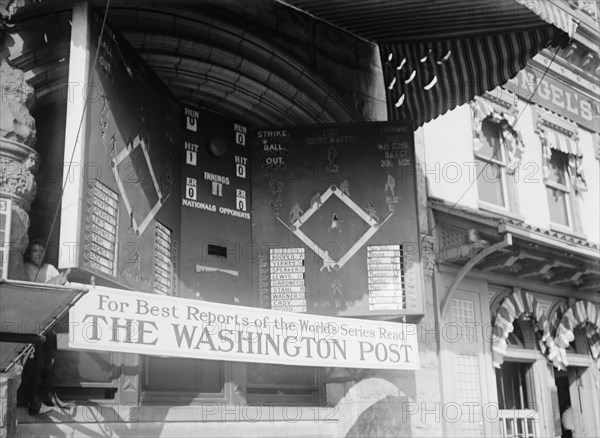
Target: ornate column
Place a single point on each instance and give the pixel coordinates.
(18, 163)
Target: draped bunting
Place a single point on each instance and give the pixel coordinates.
(518, 305)
(511, 137)
(584, 314)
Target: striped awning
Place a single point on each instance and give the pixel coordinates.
(561, 142)
(439, 54)
(424, 80)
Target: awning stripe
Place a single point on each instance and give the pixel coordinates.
(561, 142)
(474, 66)
(552, 14)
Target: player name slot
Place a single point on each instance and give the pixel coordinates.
(286, 263)
(385, 293)
(287, 276)
(160, 254)
(387, 280)
(383, 254)
(383, 267)
(103, 224)
(384, 260)
(285, 303)
(288, 296)
(287, 282)
(287, 270)
(287, 257)
(383, 286)
(102, 188)
(383, 248)
(91, 246)
(289, 289)
(98, 259)
(102, 215)
(98, 230)
(396, 306)
(383, 300)
(97, 267)
(113, 203)
(287, 250)
(99, 240)
(104, 206)
(298, 309)
(395, 274)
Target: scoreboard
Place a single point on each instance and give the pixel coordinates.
(177, 200)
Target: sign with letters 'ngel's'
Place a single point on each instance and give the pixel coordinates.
(532, 85)
(132, 322)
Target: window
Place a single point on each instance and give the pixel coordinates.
(268, 383)
(181, 381)
(562, 166)
(490, 165)
(497, 150)
(515, 400)
(512, 386)
(557, 189)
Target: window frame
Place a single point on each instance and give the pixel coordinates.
(498, 108)
(545, 122)
(493, 161)
(566, 189)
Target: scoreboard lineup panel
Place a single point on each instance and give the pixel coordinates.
(131, 175)
(335, 219)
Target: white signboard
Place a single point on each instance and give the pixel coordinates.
(133, 322)
(5, 243)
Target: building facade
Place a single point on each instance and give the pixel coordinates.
(513, 189)
(506, 204)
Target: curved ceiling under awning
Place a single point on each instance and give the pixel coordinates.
(436, 54)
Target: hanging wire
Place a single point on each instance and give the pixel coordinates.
(487, 163)
(85, 106)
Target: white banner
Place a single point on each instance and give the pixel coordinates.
(134, 322)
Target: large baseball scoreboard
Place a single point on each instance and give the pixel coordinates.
(176, 200)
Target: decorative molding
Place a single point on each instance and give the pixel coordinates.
(548, 119)
(502, 109)
(18, 163)
(428, 254)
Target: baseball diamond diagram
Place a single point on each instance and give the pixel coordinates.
(335, 219)
(130, 195)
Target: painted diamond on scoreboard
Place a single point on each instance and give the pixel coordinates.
(334, 226)
(138, 184)
(315, 241)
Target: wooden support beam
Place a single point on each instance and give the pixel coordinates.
(543, 269)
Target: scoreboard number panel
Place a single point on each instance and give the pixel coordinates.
(216, 251)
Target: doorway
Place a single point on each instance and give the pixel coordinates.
(561, 379)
